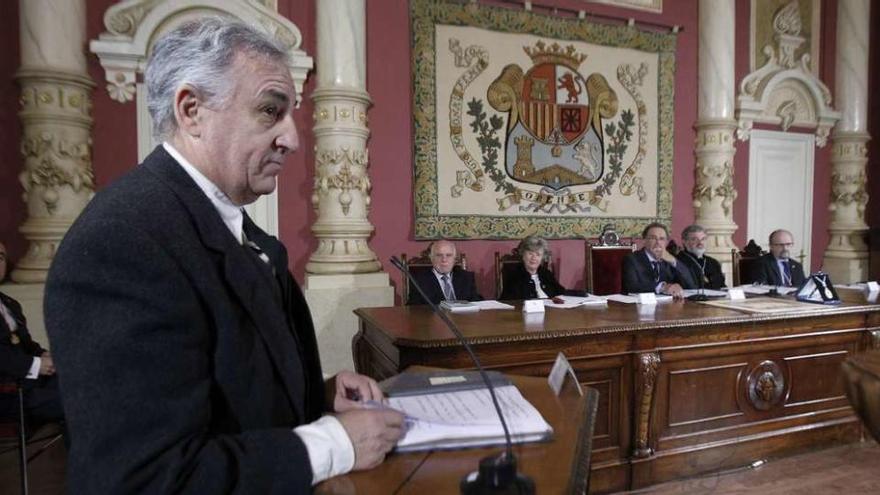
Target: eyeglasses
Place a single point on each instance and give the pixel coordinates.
(783, 244)
(654, 238)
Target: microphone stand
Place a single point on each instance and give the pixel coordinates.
(496, 474)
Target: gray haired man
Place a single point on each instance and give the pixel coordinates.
(705, 270)
(187, 350)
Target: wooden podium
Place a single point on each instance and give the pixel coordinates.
(561, 465)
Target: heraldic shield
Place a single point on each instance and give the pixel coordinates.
(554, 126)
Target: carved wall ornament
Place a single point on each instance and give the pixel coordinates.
(784, 91)
(45, 171)
(765, 385)
(351, 175)
(133, 24)
(648, 364)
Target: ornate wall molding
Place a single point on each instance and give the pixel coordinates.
(56, 144)
(784, 90)
(648, 364)
(132, 25)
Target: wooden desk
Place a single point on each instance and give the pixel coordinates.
(554, 466)
(687, 389)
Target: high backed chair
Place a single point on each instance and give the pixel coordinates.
(603, 261)
(423, 262)
(507, 262)
(744, 263)
(603, 267)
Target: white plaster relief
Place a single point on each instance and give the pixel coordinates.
(784, 91)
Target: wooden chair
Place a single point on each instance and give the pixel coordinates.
(744, 262)
(507, 262)
(603, 262)
(16, 430)
(423, 262)
(673, 248)
(603, 268)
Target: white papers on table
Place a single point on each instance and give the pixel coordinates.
(484, 305)
(705, 292)
(459, 306)
(575, 301)
(764, 289)
(467, 418)
(634, 299)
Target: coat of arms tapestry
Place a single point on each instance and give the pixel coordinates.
(527, 123)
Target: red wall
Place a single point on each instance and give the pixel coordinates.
(390, 145)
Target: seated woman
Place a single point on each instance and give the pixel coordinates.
(531, 280)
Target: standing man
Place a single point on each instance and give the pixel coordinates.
(652, 268)
(777, 267)
(705, 270)
(22, 359)
(186, 351)
(445, 281)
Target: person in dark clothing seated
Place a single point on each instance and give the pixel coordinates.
(777, 267)
(705, 270)
(24, 360)
(652, 268)
(444, 281)
(531, 280)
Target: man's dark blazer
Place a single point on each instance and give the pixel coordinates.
(712, 269)
(184, 362)
(638, 275)
(766, 271)
(462, 283)
(518, 284)
(16, 360)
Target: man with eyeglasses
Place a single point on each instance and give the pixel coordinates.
(445, 281)
(653, 268)
(777, 267)
(705, 270)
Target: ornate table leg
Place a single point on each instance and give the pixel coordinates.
(647, 377)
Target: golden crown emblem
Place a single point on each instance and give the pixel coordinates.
(555, 54)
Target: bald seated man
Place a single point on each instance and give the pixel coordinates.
(444, 281)
(777, 267)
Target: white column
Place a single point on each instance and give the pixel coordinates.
(343, 273)
(56, 120)
(713, 192)
(846, 258)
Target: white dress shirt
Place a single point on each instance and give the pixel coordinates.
(330, 450)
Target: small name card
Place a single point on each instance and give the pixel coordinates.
(533, 306)
(736, 294)
(561, 369)
(872, 287)
(647, 298)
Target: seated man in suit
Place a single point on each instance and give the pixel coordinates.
(652, 268)
(777, 267)
(530, 279)
(22, 359)
(445, 281)
(705, 270)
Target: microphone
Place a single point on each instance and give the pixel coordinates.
(496, 474)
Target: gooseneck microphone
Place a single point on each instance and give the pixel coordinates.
(496, 474)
